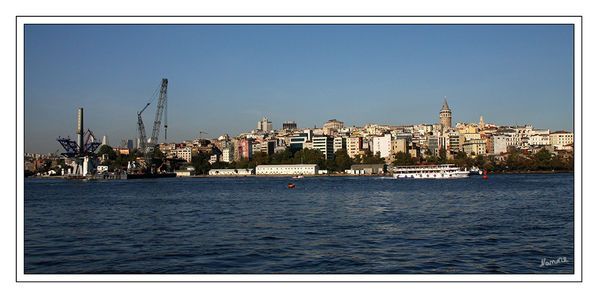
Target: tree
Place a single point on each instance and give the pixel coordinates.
(369, 158)
(105, 149)
(201, 163)
(261, 158)
(442, 155)
(403, 159)
(342, 160)
(542, 160)
(282, 157)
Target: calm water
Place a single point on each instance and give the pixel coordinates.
(505, 224)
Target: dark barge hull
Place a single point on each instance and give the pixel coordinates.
(148, 175)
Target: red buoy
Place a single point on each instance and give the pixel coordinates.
(291, 185)
(485, 177)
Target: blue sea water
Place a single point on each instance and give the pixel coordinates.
(340, 225)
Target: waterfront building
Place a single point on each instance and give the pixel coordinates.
(231, 172)
(264, 125)
(560, 139)
(367, 169)
(289, 125)
(445, 116)
(324, 144)
(382, 145)
(353, 146)
(296, 169)
(339, 143)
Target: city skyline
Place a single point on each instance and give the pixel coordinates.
(359, 74)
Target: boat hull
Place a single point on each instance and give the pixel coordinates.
(452, 175)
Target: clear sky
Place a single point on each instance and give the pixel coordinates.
(225, 78)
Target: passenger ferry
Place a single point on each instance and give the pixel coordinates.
(444, 171)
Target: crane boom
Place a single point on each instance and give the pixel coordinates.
(159, 112)
(147, 146)
(141, 129)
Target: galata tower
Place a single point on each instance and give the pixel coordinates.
(445, 116)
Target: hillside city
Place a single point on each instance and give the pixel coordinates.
(336, 148)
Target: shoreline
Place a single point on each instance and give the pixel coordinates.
(333, 175)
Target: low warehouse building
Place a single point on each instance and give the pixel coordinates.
(368, 169)
(298, 169)
(231, 172)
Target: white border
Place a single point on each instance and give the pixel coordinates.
(21, 21)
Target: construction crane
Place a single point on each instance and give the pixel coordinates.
(148, 145)
(201, 134)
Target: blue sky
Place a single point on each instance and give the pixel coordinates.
(225, 78)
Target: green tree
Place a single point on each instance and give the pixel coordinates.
(342, 160)
(201, 163)
(403, 159)
(282, 157)
(261, 158)
(542, 160)
(442, 155)
(105, 149)
(369, 158)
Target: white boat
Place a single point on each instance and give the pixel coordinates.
(298, 177)
(444, 171)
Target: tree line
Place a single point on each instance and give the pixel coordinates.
(338, 162)
(542, 160)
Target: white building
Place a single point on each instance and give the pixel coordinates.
(539, 139)
(297, 169)
(339, 143)
(184, 153)
(231, 172)
(382, 145)
(324, 144)
(264, 125)
(228, 154)
(501, 143)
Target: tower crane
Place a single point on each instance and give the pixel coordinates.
(148, 145)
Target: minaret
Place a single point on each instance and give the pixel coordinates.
(445, 116)
(482, 124)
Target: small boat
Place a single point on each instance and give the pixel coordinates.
(298, 177)
(291, 185)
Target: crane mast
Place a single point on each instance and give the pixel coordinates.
(147, 145)
(159, 112)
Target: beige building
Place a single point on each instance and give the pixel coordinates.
(353, 146)
(560, 139)
(475, 147)
(332, 126)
